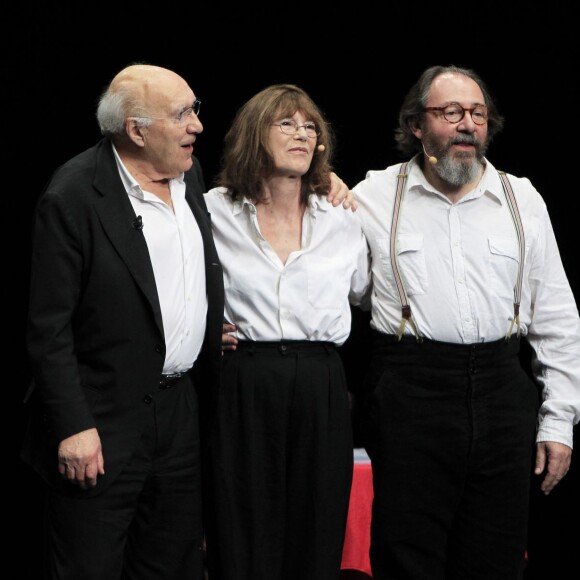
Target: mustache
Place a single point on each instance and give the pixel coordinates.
(467, 139)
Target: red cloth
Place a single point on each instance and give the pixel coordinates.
(357, 541)
(355, 554)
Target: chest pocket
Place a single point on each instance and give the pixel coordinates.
(503, 265)
(411, 258)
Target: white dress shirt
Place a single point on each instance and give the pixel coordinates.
(176, 250)
(307, 298)
(459, 263)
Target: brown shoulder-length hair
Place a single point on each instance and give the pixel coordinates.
(246, 161)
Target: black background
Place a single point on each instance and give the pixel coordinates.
(357, 63)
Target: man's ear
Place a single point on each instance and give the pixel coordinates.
(415, 128)
(135, 132)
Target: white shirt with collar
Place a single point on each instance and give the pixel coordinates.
(307, 298)
(459, 263)
(176, 249)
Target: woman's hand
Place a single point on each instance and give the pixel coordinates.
(229, 342)
(340, 193)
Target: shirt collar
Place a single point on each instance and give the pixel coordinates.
(491, 183)
(315, 203)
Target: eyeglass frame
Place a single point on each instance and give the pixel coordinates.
(297, 127)
(195, 108)
(181, 116)
(464, 109)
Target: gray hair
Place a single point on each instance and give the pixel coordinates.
(412, 109)
(115, 105)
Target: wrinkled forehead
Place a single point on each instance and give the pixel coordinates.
(457, 88)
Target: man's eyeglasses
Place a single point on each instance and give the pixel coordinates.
(454, 112)
(289, 127)
(183, 117)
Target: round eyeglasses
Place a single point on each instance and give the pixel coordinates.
(291, 128)
(454, 112)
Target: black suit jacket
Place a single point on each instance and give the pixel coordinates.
(95, 335)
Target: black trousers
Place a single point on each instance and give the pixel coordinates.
(450, 432)
(282, 464)
(147, 524)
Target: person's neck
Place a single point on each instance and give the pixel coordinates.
(144, 173)
(283, 195)
(280, 215)
(148, 179)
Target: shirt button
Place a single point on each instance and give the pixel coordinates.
(148, 399)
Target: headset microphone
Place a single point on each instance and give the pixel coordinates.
(432, 159)
(321, 148)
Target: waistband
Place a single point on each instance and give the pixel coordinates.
(391, 343)
(287, 346)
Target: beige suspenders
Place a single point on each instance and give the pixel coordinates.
(515, 213)
(406, 315)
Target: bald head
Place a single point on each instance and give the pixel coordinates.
(145, 84)
(140, 90)
(140, 72)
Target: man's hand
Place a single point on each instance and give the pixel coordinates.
(80, 458)
(340, 193)
(553, 459)
(228, 342)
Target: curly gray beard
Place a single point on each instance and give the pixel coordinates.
(459, 172)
